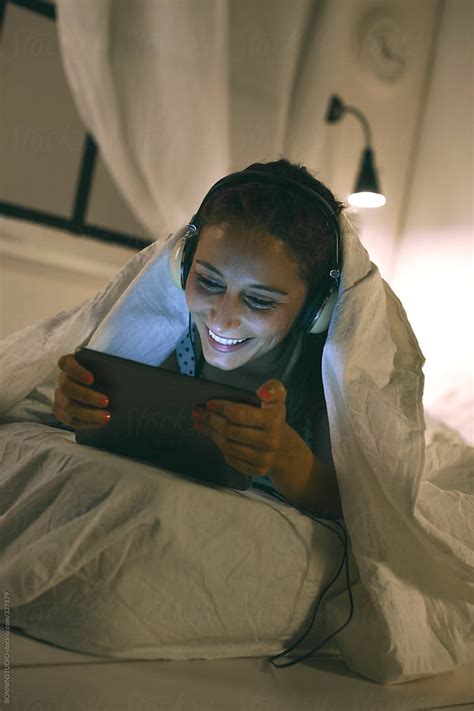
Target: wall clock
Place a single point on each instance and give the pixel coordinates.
(383, 47)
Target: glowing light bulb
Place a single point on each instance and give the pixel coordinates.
(366, 199)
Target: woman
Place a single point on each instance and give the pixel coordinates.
(262, 251)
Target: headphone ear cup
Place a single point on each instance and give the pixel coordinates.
(189, 250)
(325, 314)
(175, 260)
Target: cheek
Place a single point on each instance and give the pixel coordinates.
(280, 325)
(272, 327)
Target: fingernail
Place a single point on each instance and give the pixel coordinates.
(104, 401)
(265, 393)
(106, 417)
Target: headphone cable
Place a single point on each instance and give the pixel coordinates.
(344, 559)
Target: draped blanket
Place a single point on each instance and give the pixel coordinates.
(407, 498)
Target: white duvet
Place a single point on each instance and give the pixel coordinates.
(110, 556)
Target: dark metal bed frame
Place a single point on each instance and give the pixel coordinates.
(75, 224)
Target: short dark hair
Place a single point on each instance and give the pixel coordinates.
(297, 222)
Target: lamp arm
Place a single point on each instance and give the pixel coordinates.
(336, 110)
(365, 124)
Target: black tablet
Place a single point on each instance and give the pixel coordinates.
(151, 417)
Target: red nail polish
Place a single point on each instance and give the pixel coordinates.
(106, 417)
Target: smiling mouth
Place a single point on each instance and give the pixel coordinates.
(225, 341)
(224, 345)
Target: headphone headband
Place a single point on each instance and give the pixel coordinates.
(246, 176)
(317, 312)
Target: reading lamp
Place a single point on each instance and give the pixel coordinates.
(366, 192)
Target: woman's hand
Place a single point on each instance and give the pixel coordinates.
(259, 441)
(76, 404)
(249, 437)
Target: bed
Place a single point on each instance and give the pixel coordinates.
(55, 640)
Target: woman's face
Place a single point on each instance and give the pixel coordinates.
(242, 285)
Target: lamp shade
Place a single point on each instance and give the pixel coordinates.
(367, 192)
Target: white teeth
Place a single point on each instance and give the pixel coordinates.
(225, 341)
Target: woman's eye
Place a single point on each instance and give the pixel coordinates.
(252, 301)
(207, 283)
(261, 304)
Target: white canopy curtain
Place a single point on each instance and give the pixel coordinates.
(154, 83)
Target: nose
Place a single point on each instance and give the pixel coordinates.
(224, 314)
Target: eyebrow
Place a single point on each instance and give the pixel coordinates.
(251, 286)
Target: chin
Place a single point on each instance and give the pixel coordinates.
(217, 362)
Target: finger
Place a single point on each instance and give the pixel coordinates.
(262, 440)
(272, 392)
(75, 370)
(248, 468)
(259, 462)
(256, 457)
(73, 420)
(80, 393)
(77, 422)
(65, 407)
(241, 465)
(247, 415)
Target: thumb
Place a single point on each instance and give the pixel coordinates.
(272, 392)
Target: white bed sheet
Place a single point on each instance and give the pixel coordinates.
(107, 555)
